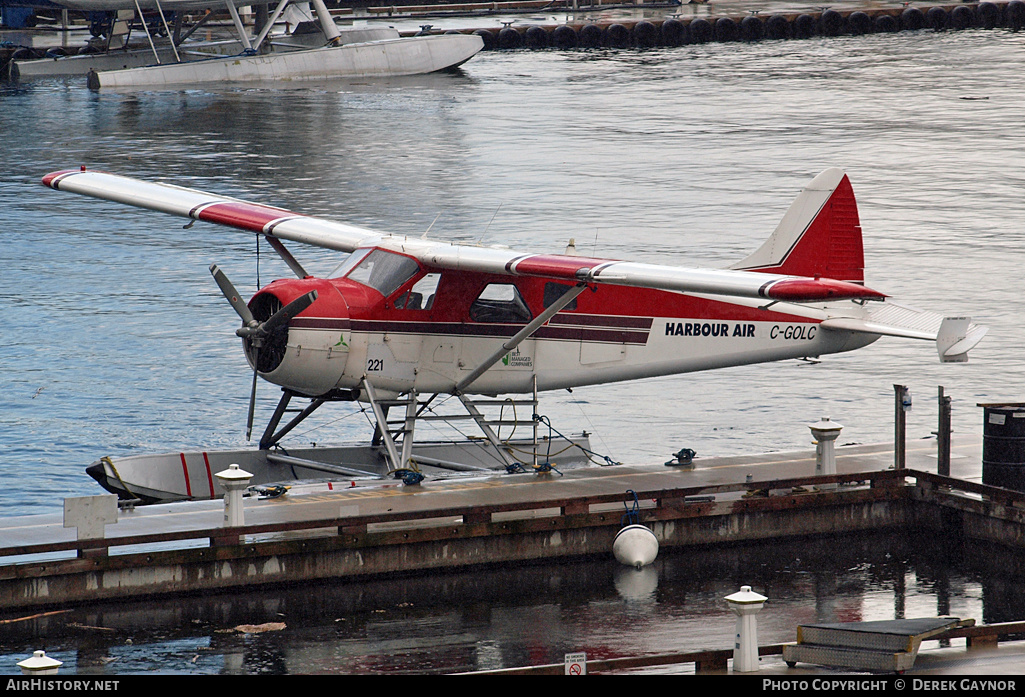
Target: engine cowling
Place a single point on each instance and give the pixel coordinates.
(309, 354)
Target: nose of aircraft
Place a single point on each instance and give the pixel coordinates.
(303, 344)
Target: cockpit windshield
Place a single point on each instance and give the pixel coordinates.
(383, 271)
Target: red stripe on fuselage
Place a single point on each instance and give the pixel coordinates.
(605, 321)
(556, 330)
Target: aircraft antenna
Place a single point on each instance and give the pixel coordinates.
(489, 223)
(424, 236)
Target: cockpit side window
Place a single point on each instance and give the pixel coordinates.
(421, 295)
(383, 271)
(500, 302)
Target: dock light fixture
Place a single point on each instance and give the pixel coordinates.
(746, 604)
(40, 664)
(234, 480)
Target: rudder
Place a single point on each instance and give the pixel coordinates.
(819, 235)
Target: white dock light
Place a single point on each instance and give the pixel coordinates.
(636, 546)
(746, 605)
(234, 480)
(825, 433)
(40, 664)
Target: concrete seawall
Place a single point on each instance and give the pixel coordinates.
(699, 30)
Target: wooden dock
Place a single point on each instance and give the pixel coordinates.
(392, 528)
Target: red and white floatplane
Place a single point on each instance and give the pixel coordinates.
(402, 321)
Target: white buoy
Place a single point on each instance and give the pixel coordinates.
(635, 546)
(235, 480)
(40, 664)
(746, 605)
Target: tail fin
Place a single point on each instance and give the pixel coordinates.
(819, 235)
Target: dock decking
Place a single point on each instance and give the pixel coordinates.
(394, 528)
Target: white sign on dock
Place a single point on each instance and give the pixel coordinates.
(90, 514)
(576, 663)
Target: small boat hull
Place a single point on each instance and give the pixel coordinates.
(191, 475)
(392, 57)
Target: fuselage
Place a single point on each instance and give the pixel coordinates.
(405, 326)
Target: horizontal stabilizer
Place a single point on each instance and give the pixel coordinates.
(954, 336)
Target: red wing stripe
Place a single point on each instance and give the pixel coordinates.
(269, 229)
(601, 268)
(194, 213)
(552, 266)
(806, 289)
(510, 265)
(54, 179)
(247, 216)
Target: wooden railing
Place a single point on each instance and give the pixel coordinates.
(667, 503)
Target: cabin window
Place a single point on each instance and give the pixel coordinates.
(383, 271)
(421, 295)
(500, 302)
(554, 291)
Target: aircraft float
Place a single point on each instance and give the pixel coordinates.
(402, 320)
(327, 54)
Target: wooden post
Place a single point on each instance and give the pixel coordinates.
(943, 436)
(900, 395)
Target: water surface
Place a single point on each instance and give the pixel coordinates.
(116, 341)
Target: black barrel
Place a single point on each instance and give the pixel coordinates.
(1003, 445)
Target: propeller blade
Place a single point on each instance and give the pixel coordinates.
(285, 314)
(252, 398)
(232, 295)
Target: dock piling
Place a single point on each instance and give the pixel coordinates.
(902, 405)
(943, 435)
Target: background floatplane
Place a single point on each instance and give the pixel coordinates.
(323, 51)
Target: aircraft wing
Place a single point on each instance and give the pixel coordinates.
(198, 205)
(286, 225)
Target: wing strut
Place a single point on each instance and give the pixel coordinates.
(535, 324)
(286, 256)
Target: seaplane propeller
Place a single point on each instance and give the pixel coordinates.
(255, 332)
